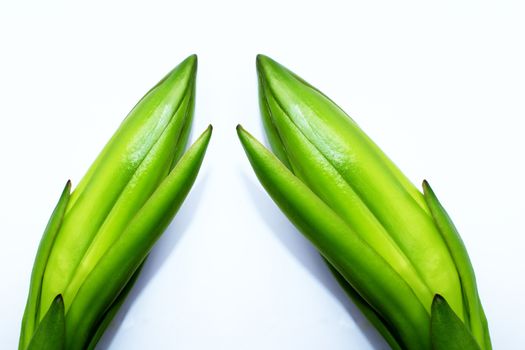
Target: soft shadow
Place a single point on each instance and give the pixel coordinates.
(308, 256)
(158, 256)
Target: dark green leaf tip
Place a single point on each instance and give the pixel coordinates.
(241, 132)
(58, 300)
(426, 188)
(207, 133)
(438, 299)
(51, 332)
(447, 331)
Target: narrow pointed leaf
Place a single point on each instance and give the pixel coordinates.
(120, 262)
(326, 181)
(51, 332)
(132, 197)
(31, 313)
(372, 277)
(476, 320)
(447, 331)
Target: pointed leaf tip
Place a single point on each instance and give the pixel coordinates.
(33, 306)
(266, 66)
(184, 73)
(51, 332)
(260, 59)
(447, 331)
(245, 137)
(426, 186)
(476, 318)
(239, 129)
(242, 133)
(191, 59)
(59, 300)
(438, 299)
(207, 133)
(190, 63)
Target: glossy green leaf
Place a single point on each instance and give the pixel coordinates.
(475, 319)
(447, 331)
(272, 132)
(328, 151)
(117, 212)
(120, 262)
(130, 167)
(51, 332)
(147, 177)
(31, 314)
(331, 156)
(353, 258)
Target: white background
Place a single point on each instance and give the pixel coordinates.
(439, 85)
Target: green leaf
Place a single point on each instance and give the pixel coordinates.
(147, 177)
(118, 265)
(361, 266)
(328, 151)
(371, 315)
(475, 317)
(272, 133)
(447, 331)
(51, 332)
(113, 309)
(31, 313)
(130, 167)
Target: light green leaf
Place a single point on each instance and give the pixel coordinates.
(32, 310)
(475, 317)
(132, 164)
(118, 265)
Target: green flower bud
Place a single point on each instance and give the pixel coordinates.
(99, 235)
(327, 153)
